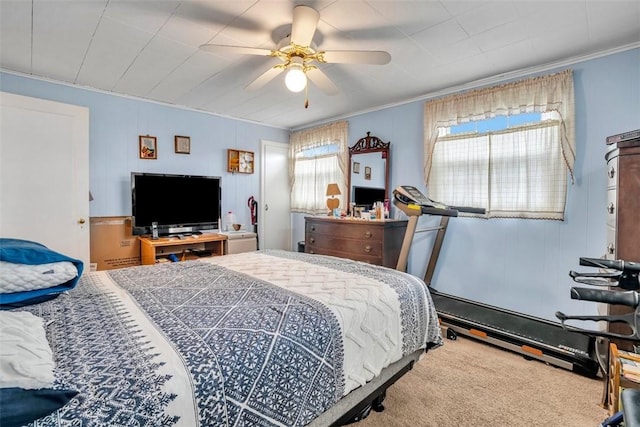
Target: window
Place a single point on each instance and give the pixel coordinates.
(318, 158)
(518, 171)
(497, 149)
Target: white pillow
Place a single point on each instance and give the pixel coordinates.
(26, 360)
(28, 277)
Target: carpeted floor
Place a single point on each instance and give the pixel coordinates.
(467, 383)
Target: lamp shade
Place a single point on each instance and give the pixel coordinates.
(333, 190)
(333, 203)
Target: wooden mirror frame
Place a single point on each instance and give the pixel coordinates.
(369, 144)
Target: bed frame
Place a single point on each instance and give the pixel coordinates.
(357, 405)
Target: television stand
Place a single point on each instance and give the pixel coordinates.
(185, 248)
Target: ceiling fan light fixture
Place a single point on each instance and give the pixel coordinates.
(296, 79)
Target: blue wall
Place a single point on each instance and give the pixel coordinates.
(115, 124)
(521, 265)
(515, 264)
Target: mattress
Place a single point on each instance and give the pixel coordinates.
(269, 338)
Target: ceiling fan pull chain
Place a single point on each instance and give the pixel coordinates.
(306, 96)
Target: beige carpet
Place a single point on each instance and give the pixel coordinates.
(468, 383)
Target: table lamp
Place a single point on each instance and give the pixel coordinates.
(332, 202)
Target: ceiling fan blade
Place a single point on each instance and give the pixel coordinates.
(264, 78)
(305, 21)
(320, 79)
(219, 48)
(374, 57)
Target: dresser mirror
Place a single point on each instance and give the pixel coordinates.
(368, 172)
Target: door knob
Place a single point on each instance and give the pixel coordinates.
(266, 207)
(81, 221)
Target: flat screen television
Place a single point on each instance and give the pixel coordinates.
(178, 203)
(367, 196)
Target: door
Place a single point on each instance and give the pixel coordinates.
(44, 173)
(274, 220)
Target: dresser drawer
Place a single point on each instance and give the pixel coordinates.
(350, 255)
(319, 243)
(611, 249)
(612, 207)
(612, 172)
(346, 229)
(363, 258)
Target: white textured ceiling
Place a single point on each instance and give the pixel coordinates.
(149, 49)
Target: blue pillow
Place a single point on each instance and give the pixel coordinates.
(20, 406)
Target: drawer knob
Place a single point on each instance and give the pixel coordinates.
(311, 252)
(368, 234)
(313, 228)
(312, 240)
(611, 249)
(367, 248)
(612, 172)
(611, 208)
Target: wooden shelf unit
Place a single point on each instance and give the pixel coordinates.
(240, 161)
(151, 250)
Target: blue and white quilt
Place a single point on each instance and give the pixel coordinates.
(268, 338)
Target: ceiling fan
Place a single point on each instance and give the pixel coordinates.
(299, 56)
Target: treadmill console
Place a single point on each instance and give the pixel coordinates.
(410, 194)
(410, 198)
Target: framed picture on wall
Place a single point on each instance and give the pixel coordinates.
(356, 167)
(367, 172)
(183, 144)
(148, 147)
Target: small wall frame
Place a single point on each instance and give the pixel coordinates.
(182, 144)
(240, 161)
(148, 147)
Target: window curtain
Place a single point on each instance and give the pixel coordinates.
(539, 94)
(515, 173)
(527, 177)
(311, 168)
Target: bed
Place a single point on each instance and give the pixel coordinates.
(266, 338)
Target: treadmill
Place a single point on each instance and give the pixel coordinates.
(533, 337)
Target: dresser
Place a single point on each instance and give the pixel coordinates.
(376, 242)
(623, 214)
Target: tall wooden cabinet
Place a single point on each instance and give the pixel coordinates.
(376, 242)
(623, 215)
(623, 204)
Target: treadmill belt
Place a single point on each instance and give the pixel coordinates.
(511, 323)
